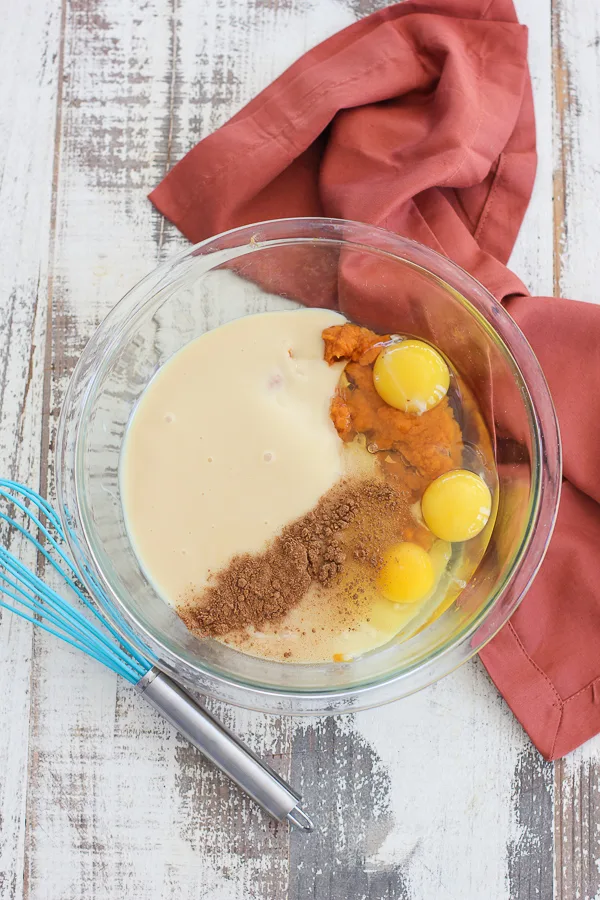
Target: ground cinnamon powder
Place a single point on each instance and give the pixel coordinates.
(258, 588)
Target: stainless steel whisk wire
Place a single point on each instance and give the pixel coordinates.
(25, 594)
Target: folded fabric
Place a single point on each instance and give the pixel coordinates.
(419, 119)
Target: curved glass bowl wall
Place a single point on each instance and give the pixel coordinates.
(380, 280)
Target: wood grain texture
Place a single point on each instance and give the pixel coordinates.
(532, 257)
(28, 85)
(403, 800)
(440, 796)
(531, 856)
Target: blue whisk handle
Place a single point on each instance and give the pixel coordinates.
(223, 748)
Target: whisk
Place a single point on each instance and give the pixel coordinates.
(82, 625)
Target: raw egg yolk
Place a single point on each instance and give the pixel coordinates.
(407, 574)
(457, 505)
(411, 376)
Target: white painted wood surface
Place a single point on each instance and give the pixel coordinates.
(439, 796)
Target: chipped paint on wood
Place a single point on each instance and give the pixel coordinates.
(532, 255)
(576, 57)
(530, 856)
(577, 823)
(28, 85)
(450, 753)
(577, 826)
(563, 98)
(347, 789)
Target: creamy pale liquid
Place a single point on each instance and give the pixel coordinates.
(230, 442)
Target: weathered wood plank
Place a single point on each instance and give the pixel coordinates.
(577, 823)
(576, 46)
(347, 788)
(224, 53)
(531, 855)
(532, 257)
(576, 53)
(28, 85)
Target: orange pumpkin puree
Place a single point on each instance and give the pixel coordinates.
(414, 449)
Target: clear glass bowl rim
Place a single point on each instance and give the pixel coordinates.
(546, 473)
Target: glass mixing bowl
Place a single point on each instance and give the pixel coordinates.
(380, 280)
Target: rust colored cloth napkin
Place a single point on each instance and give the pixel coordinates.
(420, 119)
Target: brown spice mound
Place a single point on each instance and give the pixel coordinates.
(259, 588)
